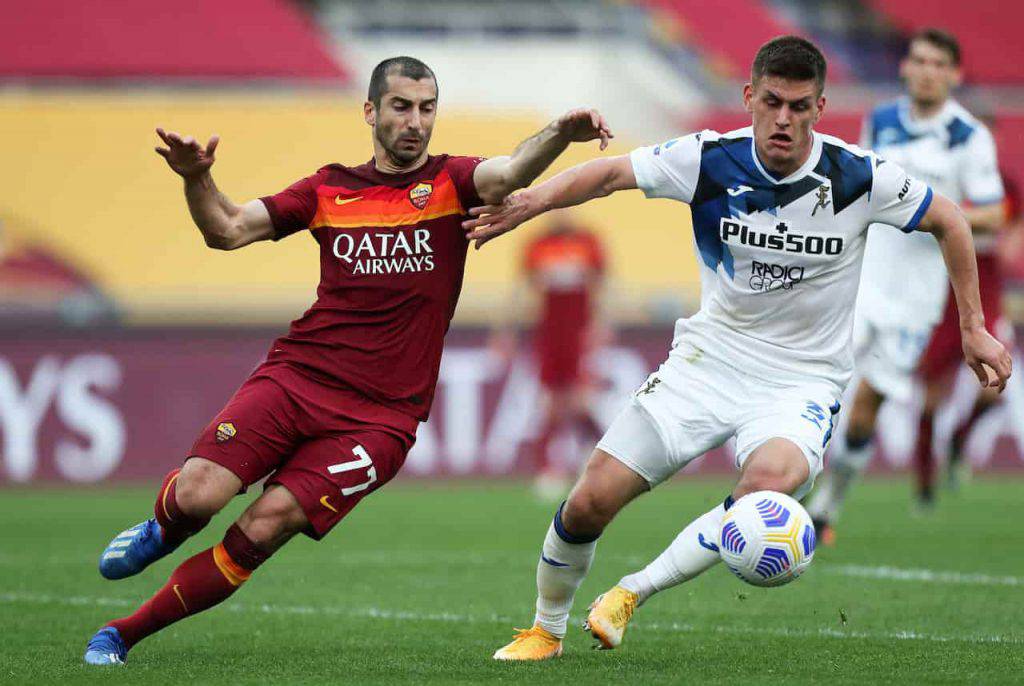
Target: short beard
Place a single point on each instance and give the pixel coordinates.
(929, 103)
(398, 157)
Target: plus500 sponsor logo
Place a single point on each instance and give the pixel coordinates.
(781, 239)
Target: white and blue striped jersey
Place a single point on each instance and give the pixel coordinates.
(780, 258)
(954, 153)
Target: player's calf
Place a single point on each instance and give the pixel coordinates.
(273, 519)
(605, 487)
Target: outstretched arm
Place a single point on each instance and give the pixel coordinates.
(495, 178)
(224, 225)
(945, 221)
(593, 179)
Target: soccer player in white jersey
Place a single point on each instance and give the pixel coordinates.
(903, 284)
(780, 215)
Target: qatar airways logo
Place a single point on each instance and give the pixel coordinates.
(394, 252)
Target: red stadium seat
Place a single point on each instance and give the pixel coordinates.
(137, 39)
(989, 32)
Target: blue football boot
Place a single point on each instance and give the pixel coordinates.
(106, 647)
(133, 550)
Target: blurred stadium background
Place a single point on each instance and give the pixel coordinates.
(121, 334)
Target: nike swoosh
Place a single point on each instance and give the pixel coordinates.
(339, 201)
(706, 544)
(554, 563)
(739, 190)
(181, 599)
(323, 501)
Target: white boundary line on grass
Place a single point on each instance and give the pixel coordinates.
(923, 575)
(28, 598)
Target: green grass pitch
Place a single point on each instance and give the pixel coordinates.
(424, 581)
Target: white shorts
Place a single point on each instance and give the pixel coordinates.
(887, 356)
(694, 403)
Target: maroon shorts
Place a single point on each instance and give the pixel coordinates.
(313, 439)
(560, 360)
(944, 353)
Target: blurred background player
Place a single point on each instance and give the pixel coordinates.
(564, 267)
(903, 285)
(331, 413)
(943, 357)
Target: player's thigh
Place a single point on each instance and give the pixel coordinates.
(253, 434)
(330, 475)
(681, 411)
(803, 417)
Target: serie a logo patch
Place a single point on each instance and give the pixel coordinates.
(225, 431)
(419, 195)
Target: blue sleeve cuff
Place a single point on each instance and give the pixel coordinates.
(921, 209)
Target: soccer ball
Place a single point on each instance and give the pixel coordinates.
(767, 539)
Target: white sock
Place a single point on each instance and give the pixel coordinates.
(684, 559)
(845, 466)
(560, 571)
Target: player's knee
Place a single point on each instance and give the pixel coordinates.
(586, 513)
(273, 519)
(772, 475)
(204, 488)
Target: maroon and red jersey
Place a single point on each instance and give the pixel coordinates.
(392, 256)
(565, 266)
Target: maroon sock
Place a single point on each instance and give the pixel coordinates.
(198, 584)
(924, 462)
(176, 525)
(961, 432)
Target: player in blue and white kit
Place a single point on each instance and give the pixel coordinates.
(935, 139)
(780, 217)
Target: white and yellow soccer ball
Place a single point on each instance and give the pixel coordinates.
(767, 538)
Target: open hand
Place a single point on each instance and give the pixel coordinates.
(983, 352)
(581, 125)
(493, 220)
(184, 155)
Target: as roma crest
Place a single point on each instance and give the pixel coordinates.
(225, 431)
(419, 195)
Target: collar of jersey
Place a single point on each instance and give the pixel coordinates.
(805, 168)
(921, 126)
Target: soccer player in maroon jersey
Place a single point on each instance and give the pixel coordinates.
(565, 266)
(331, 414)
(942, 357)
